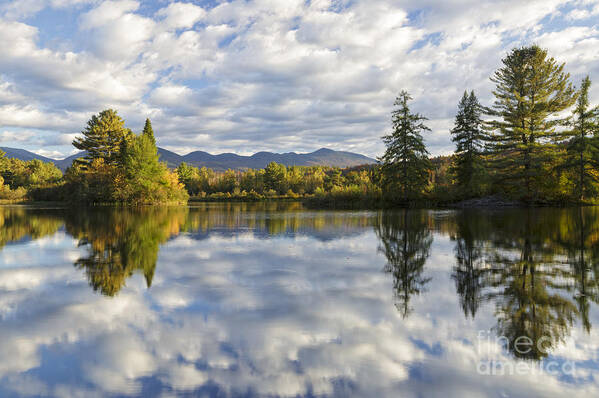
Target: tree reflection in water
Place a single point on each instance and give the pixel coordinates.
(579, 236)
(405, 240)
(121, 242)
(527, 262)
(469, 271)
(17, 223)
(539, 268)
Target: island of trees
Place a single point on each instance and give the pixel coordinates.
(537, 143)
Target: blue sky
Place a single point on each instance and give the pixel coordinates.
(250, 75)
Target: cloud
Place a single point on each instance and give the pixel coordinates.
(181, 15)
(107, 12)
(117, 34)
(16, 9)
(49, 154)
(18, 136)
(272, 75)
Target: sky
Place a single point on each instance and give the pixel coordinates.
(245, 76)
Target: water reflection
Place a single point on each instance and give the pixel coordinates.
(470, 269)
(18, 223)
(527, 262)
(405, 241)
(269, 219)
(121, 242)
(272, 300)
(579, 236)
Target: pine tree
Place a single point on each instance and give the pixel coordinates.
(148, 132)
(103, 138)
(405, 164)
(582, 144)
(147, 180)
(469, 136)
(531, 89)
(142, 168)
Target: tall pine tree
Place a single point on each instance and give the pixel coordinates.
(531, 90)
(469, 136)
(103, 138)
(148, 132)
(405, 165)
(582, 145)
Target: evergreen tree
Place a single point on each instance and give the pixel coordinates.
(103, 138)
(405, 164)
(469, 136)
(143, 171)
(531, 89)
(274, 177)
(148, 132)
(141, 159)
(582, 144)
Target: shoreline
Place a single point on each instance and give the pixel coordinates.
(487, 203)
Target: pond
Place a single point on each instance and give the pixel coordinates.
(261, 300)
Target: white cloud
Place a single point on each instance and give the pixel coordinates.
(14, 9)
(171, 95)
(18, 136)
(181, 15)
(117, 33)
(49, 154)
(107, 12)
(273, 75)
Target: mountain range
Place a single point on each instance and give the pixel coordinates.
(224, 161)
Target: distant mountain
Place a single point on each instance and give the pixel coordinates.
(224, 161)
(64, 164)
(24, 154)
(321, 157)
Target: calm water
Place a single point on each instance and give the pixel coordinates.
(274, 300)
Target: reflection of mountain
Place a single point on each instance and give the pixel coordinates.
(122, 241)
(266, 220)
(405, 240)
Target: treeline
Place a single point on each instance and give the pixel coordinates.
(119, 167)
(538, 142)
(277, 181)
(27, 179)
